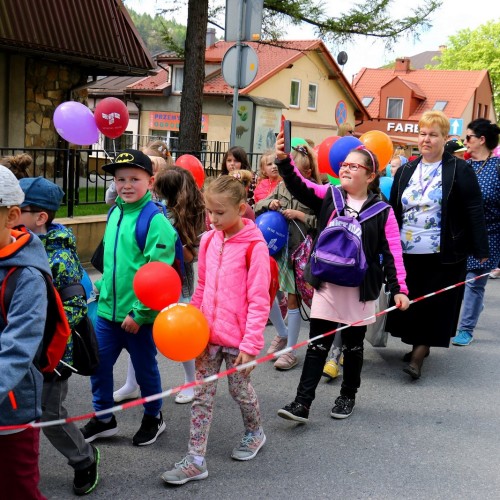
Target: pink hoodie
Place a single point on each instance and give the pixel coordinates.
(235, 300)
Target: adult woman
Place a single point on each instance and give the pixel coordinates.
(481, 139)
(438, 205)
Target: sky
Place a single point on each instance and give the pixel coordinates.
(451, 17)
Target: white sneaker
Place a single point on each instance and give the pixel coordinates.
(119, 395)
(183, 398)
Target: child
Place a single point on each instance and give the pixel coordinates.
(246, 178)
(19, 165)
(20, 336)
(335, 305)
(395, 163)
(269, 177)
(302, 221)
(41, 201)
(122, 321)
(186, 210)
(236, 158)
(235, 300)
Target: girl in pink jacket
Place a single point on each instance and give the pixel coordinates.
(233, 294)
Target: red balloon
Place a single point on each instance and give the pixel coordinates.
(111, 117)
(181, 332)
(191, 163)
(157, 285)
(324, 155)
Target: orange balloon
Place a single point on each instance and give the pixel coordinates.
(181, 332)
(157, 285)
(380, 144)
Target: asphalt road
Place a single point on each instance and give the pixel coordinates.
(435, 438)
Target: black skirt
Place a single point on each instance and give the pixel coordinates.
(432, 321)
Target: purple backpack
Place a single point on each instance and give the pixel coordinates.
(338, 257)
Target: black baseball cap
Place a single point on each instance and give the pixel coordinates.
(130, 158)
(455, 146)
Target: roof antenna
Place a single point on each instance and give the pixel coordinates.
(342, 59)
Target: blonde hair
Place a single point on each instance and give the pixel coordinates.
(159, 163)
(344, 129)
(243, 176)
(159, 148)
(303, 156)
(228, 186)
(263, 162)
(431, 118)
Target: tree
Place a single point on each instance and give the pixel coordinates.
(475, 50)
(370, 19)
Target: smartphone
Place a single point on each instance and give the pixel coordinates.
(287, 133)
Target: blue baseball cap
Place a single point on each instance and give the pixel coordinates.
(42, 193)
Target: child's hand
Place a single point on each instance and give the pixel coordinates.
(129, 325)
(274, 205)
(293, 214)
(243, 358)
(280, 146)
(401, 301)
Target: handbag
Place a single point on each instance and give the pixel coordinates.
(375, 332)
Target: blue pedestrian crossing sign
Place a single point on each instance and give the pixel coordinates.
(456, 126)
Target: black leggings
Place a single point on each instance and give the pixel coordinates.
(317, 353)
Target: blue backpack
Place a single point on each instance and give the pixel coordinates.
(338, 256)
(141, 232)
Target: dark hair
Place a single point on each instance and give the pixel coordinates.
(484, 128)
(371, 161)
(177, 186)
(18, 164)
(239, 155)
(51, 214)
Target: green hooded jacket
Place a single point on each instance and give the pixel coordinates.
(123, 258)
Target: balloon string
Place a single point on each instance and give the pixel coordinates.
(225, 373)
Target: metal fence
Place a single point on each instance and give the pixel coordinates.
(79, 171)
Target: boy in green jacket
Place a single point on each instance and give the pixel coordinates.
(123, 321)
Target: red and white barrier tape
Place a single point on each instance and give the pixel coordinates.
(224, 373)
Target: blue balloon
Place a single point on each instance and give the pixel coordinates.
(386, 185)
(274, 228)
(340, 149)
(87, 285)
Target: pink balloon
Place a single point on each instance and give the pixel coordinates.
(496, 151)
(75, 123)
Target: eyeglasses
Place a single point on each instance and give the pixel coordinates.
(353, 167)
(467, 137)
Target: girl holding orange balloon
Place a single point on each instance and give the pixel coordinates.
(233, 294)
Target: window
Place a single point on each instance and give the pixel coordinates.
(394, 108)
(479, 109)
(312, 96)
(440, 105)
(295, 94)
(367, 101)
(178, 79)
(485, 115)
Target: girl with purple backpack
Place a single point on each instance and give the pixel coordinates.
(335, 305)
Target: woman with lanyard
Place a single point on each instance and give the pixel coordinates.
(438, 205)
(481, 140)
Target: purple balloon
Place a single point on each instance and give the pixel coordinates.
(75, 123)
(340, 149)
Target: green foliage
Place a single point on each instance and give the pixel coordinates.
(477, 49)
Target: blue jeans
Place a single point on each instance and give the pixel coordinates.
(112, 339)
(472, 304)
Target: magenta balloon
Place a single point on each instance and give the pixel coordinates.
(75, 123)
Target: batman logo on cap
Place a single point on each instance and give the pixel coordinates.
(124, 158)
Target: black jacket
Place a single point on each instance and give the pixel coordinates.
(374, 239)
(463, 228)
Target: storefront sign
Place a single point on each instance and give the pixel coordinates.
(407, 128)
(170, 121)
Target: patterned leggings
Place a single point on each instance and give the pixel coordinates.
(240, 389)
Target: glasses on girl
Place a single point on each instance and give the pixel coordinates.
(353, 167)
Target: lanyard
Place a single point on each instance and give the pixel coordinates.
(433, 174)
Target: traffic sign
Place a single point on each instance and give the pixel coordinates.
(456, 126)
(247, 63)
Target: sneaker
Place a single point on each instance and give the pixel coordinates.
(331, 369)
(86, 479)
(343, 407)
(249, 447)
(119, 395)
(295, 411)
(462, 338)
(277, 344)
(284, 307)
(182, 398)
(96, 428)
(495, 274)
(150, 429)
(286, 361)
(184, 471)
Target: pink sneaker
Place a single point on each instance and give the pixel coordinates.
(277, 344)
(286, 361)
